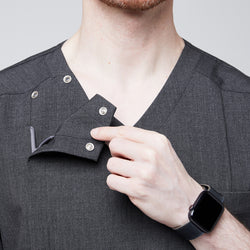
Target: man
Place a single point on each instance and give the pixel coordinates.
(171, 117)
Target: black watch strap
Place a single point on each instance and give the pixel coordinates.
(214, 193)
(190, 231)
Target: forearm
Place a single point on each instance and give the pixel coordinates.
(229, 233)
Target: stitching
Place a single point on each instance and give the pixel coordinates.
(189, 80)
(227, 141)
(28, 89)
(218, 60)
(31, 58)
(217, 83)
(225, 125)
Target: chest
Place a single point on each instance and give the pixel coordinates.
(131, 100)
(59, 198)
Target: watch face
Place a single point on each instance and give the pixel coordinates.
(206, 211)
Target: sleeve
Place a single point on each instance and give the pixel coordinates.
(236, 101)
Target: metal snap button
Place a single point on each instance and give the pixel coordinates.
(103, 110)
(67, 79)
(34, 94)
(89, 146)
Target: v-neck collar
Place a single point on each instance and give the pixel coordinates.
(166, 98)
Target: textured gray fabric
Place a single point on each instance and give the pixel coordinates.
(57, 197)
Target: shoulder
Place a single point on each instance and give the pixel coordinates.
(25, 74)
(226, 76)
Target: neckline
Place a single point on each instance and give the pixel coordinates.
(172, 78)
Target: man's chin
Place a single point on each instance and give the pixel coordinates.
(133, 5)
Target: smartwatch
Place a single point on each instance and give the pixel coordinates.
(203, 214)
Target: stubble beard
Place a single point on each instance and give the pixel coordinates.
(134, 5)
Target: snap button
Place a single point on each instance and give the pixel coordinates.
(34, 94)
(67, 79)
(103, 110)
(89, 146)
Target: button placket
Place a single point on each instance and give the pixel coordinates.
(72, 136)
(90, 146)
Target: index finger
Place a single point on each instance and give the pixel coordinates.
(140, 135)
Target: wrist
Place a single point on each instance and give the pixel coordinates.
(192, 195)
(203, 214)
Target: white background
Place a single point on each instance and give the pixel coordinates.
(219, 27)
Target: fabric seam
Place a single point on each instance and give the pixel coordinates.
(227, 141)
(226, 90)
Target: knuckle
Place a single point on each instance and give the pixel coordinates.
(140, 191)
(167, 142)
(151, 155)
(113, 142)
(121, 131)
(163, 140)
(148, 174)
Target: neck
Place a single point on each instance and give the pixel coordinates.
(122, 46)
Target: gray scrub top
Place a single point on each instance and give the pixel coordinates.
(53, 191)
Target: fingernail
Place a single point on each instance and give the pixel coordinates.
(94, 131)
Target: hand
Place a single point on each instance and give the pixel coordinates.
(145, 167)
